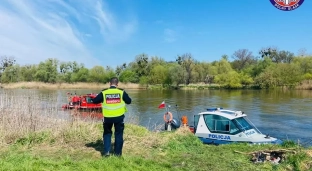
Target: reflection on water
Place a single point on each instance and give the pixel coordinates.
(282, 114)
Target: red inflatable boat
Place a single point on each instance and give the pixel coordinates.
(82, 102)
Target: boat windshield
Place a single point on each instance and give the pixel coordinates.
(219, 124)
(243, 124)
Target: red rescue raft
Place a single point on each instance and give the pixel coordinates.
(82, 102)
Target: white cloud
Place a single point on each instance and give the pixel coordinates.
(113, 32)
(33, 31)
(170, 35)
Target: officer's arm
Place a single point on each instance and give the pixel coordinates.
(126, 98)
(98, 99)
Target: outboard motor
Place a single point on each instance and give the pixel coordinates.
(175, 123)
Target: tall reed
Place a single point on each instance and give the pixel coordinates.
(25, 113)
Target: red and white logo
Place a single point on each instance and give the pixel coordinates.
(112, 98)
(287, 5)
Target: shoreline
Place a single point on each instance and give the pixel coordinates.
(79, 85)
(85, 85)
(305, 85)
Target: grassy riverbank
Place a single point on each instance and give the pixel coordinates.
(78, 148)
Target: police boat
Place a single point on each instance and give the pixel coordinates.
(221, 126)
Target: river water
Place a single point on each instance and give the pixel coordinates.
(285, 114)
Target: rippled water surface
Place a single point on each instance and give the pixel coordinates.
(282, 114)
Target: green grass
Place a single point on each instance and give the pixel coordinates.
(79, 148)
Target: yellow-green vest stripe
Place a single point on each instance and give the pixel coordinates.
(113, 104)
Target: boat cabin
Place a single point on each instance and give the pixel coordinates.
(224, 121)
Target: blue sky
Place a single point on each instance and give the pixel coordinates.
(111, 32)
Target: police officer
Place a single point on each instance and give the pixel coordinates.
(114, 102)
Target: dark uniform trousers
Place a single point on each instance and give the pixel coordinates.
(119, 126)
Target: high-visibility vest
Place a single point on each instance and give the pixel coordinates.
(113, 104)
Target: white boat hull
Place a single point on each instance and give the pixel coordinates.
(232, 128)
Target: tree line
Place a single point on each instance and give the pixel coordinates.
(269, 68)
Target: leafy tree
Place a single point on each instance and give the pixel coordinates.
(269, 52)
(242, 58)
(47, 71)
(305, 63)
(285, 56)
(120, 68)
(198, 73)
(289, 74)
(128, 76)
(229, 80)
(144, 80)
(75, 67)
(5, 62)
(186, 61)
(245, 79)
(81, 76)
(223, 66)
(266, 79)
(159, 75)
(207, 72)
(277, 56)
(109, 73)
(97, 74)
(141, 65)
(11, 74)
(27, 72)
(66, 71)
(177, 74)
(307, 76)
(261, 66)
(279, 75)
(155, 60)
